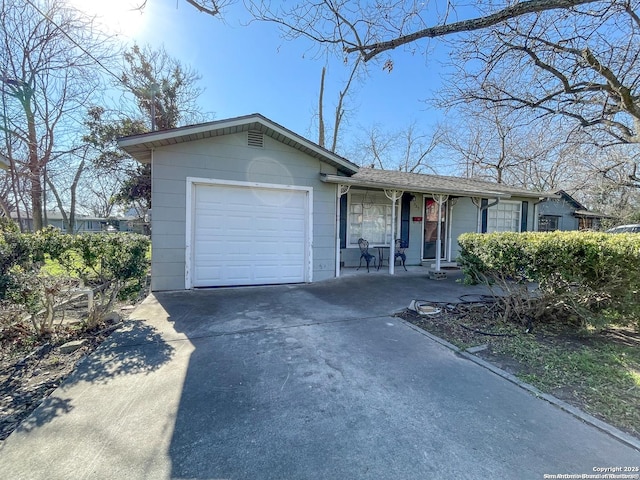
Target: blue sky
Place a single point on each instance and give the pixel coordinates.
(251, 69)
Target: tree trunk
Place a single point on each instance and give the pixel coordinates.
(35, 169)
(68, 219)
(320, 110)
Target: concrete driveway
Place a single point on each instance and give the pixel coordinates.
(297, 382)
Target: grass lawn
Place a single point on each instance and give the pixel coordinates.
(55, 269)
(599, 372)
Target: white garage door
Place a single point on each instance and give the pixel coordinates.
(249, 236)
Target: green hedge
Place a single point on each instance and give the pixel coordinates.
(593, 275)
(115, 261)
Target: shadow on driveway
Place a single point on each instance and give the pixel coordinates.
(312, 381)
(319, 381)
(124, 353)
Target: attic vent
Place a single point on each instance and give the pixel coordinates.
(255, 138)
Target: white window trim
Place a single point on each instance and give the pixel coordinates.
(349, 215)
(503, 202)
(191, 184)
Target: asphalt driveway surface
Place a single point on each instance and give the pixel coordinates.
(297, 382)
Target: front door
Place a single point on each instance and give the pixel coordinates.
(431, 229)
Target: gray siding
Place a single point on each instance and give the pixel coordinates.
(229, 158)
(560, 208)
(464, 215)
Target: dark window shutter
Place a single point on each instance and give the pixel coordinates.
(483, 206)
(343, 221)
(405, 217)
(523, 218)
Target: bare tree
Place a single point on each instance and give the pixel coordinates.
(98, 195)
(508, 148)
(608, 193)
(64, 183)
(580, 70)
(46, 79)
(485, 143)
(407, 150)
(339, 111)
(372, 28)
(575, 59)
(583, 67)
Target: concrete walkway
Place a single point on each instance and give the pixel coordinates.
(297, 382)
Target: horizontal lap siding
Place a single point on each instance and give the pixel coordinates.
(464, 216)
(229, 158)
(324, 236)
(560, 208)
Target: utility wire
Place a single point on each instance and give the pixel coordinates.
(84, 50)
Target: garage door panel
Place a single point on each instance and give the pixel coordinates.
(247, 236)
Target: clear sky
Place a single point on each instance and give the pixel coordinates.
(251, 69)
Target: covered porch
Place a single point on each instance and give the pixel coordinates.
(426, 213)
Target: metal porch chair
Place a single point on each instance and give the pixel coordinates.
(364, 253)
(400, 248)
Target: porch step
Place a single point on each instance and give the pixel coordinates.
(432, 265)
(437, 275)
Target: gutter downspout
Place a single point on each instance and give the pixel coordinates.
(535, 213)
(477, 201)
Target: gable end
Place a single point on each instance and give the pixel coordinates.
(255, 138)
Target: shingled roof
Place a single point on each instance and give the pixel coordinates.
(438, 184)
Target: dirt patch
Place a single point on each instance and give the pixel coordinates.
(31, 368)
(598, 372)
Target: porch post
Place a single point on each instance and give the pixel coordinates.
(340, 190)
(393, 195)
(439, 199)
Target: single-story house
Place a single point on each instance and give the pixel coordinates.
(563, 212)
(245, 201)
(91, 224)
(83, 223)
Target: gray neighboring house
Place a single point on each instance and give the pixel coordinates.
(92, 224)
(563, 212)
(245, 201)
(83, 223)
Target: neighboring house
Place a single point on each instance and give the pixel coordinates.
(82, 224)
(244, 201)
(565, 213)
(24, 222)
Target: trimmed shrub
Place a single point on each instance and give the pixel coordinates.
(592, 278)
(115, 261)
(108, 262)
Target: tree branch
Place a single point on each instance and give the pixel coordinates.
(479, 23)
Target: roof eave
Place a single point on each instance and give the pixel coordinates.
(413, 188)
(140, 147)
(587, 213)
